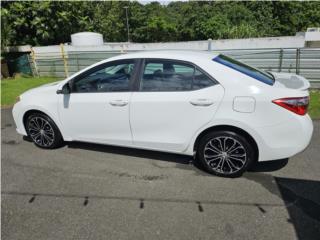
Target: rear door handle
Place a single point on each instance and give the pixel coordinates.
(201, 102)
(119, 103)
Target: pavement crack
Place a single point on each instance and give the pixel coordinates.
(260, 208)
(10, 142)
(141, 204)
(200, 208)
(86, 201)
(31, 200)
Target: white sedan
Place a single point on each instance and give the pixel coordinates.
(225, 113)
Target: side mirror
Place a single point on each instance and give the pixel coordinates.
(65, 89)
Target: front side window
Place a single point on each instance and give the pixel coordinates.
(111, 77)
(167, 75)
(245, 69)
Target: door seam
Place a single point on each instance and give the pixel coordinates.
(129, 112)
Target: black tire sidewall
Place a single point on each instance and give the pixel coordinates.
(57, 135)
(206, 138)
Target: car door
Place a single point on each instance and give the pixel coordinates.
(97, 109)
(174, 100)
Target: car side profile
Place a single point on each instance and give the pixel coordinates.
(203, 104)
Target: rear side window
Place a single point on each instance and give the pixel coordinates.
(245, 69)
(201, 80)
(169, 75)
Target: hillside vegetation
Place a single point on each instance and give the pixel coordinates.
(52, 22)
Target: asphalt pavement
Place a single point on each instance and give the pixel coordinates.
(89, 191)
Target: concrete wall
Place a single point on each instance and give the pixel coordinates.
(249, 43)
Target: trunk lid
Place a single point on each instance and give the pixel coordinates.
(289, 80)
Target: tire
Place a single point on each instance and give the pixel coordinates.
(43, 131)
(225, 153)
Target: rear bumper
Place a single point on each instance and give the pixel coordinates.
(286, 139)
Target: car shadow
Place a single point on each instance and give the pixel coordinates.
(269, 166)
(133, 152)
(301, 198)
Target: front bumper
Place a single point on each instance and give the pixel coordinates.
(17, 113)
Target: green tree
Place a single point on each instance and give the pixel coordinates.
(6, 28)
(216, 27)
(52, 22)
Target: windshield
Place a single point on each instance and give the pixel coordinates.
(245, 69)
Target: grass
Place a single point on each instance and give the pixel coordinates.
(314, 107)
(12, 88)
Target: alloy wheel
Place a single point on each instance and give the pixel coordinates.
(225, 155)
(41, 131)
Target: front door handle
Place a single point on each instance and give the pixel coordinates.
(119, 103)
(201, 102)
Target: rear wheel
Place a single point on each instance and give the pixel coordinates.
(225, 153)
(43, 131)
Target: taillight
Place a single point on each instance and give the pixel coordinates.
(298, 105)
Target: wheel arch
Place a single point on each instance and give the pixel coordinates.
(31, 111)
(28, 113)
(228, 128)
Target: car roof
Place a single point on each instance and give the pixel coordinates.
(186, 55)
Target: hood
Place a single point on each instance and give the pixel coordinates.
(44, 87)
(289, 80)
(49, 84)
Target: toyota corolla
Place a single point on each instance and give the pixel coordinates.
(226, 114)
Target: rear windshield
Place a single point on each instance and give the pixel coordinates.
(245, 69)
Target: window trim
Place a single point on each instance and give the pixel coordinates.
(136, 66)
(196, 67)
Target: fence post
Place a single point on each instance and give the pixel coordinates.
(298, 61)
(33, 58)
(65, 63)
(78, 61)
(209, 44)
(280, 60)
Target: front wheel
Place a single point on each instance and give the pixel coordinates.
(225, 153)
(43, 131)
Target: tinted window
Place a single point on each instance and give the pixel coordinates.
(152, 67)
(243, 68)
(172, 76)
(113, 77)
(201, 80)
